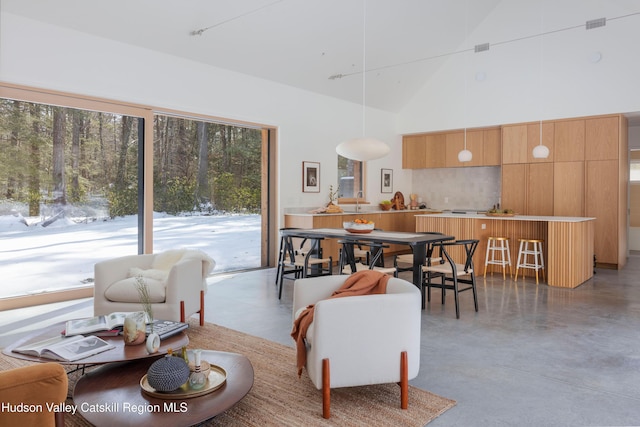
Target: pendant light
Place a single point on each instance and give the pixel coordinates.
(363, 148)
(541, 151)
(465, 155)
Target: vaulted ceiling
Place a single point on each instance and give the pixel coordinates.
(302, 43)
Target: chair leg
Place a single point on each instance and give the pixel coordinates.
(455, 296)
(182, 311)
(326, 389)
(404, 380)
(201, 308)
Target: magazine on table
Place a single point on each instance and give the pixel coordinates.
(66, 349)
(108, 324)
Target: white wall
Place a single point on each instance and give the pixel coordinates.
(527, 82)
(309, 125)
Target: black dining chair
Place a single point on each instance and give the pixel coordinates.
(452, 274)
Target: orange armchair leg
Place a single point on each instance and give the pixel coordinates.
(404, 380)
(326, 389)
(201, 308)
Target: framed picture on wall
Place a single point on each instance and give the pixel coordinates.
(386, 180)
(310, 177)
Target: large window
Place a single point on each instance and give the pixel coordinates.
(83, 180)
(68, 194)
(207, 190)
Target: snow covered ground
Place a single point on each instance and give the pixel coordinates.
(36, 259)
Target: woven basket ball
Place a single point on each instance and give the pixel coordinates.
(168, 373)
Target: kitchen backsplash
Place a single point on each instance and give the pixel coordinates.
(475, 188)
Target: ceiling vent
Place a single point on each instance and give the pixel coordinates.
(596, 23)
(481, 47)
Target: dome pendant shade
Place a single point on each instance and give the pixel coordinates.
(465, 156)
(541, 152)
(363, 149)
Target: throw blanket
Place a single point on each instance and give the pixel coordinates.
(361, 283)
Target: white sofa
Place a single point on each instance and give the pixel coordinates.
(176, 282)
(360, 340)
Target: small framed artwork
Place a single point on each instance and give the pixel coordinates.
(310, 177)
(386, 180)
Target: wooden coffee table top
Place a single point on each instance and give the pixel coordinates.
(120, 353)
(116, 388)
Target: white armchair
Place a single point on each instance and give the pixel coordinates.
(175, 279)
(360, 340)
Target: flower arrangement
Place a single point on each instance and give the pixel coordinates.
(333, 195)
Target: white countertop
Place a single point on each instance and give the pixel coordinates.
(511, 218)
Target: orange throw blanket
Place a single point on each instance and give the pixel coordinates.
(361, 283)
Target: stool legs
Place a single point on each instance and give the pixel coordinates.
(538, 257)
(501, 245)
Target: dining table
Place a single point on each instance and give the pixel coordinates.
(417, 241)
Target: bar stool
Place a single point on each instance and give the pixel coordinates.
(538, 258)
(500, 245)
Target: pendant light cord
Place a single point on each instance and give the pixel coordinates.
(364, 63)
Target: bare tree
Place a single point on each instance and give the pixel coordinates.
(59, 184)
(202, 191)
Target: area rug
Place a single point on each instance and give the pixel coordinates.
(280, 398)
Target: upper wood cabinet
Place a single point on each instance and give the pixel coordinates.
(455, 143)
(414, 152)
(514, 144)
(440, 150)
(569, 140)
(435, 150)
(423, 151)
(602, 203)
(602, 137)
(491, 147)
(533, 139)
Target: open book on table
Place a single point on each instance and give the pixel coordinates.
(98, 324)
(67, 349)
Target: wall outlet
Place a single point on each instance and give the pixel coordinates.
(483, 226)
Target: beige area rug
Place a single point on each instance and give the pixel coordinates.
(280, 398)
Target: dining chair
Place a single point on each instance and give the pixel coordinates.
(451, 273)
(305, 261)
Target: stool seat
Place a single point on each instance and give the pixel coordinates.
(501, 246)
(530, 248)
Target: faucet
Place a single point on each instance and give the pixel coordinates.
(357, 203)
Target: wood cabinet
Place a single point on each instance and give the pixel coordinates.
(440, 150)
(414, 152)
(435, 151)
(568, 189)
(455, 142)
(514, 144)
(533, 139)
(601, 139)
(492, 147)
(602, 203)
(528, 188)
(569, 140)
(423, 151)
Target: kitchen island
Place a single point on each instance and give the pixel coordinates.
(568, 241)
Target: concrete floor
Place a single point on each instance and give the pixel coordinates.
(532, 356)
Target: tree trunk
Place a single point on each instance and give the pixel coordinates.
(75, 155)
(34, 161)
(202, 192)
(59, 184)
(121, 174)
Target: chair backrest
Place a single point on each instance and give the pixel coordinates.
(469, 245)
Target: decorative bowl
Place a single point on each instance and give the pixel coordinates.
(358, 227)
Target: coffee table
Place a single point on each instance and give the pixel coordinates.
(115, 389)
(121, 352)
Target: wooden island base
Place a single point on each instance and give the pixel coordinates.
(568, 242)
